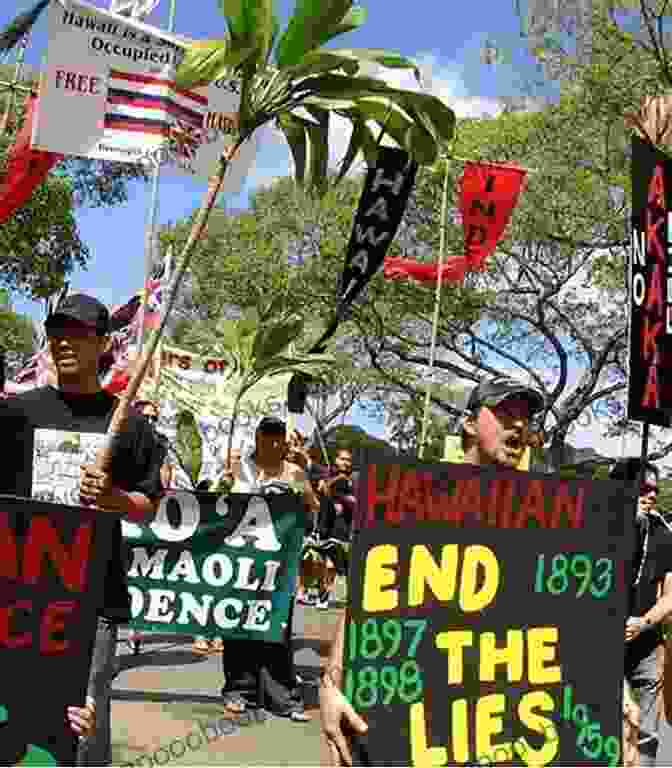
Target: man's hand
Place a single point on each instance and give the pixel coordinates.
(96, 489)
(633, 628)
(334, 708)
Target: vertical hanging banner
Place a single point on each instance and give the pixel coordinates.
(109, 93)
(485, 623)
(387, 188)
(51, 587)
(488, 195)
(650, 316)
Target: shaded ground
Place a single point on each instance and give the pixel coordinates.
(166, 707)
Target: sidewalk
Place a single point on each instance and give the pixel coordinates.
(164, 699)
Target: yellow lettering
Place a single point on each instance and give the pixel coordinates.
(476, 557)
(455, 641)
(379, 572)
(546, 753)
(489, 723)
(460, 730)
(511, 655)
(423, 756)
(542, 648)
(424, 572)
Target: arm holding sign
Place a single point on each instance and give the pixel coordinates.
(334, 707)
(660, 612)
(82, 720)
(96, 489)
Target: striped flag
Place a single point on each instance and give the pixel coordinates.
(140, 103)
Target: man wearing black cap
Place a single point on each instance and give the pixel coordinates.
(495, 432)
(77, 414)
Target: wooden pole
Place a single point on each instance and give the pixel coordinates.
(435, 323)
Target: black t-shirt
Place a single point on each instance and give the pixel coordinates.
(135, 468)
(644, 596)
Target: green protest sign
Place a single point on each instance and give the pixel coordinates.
(221, 565)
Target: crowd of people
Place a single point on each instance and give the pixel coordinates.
(261, 676)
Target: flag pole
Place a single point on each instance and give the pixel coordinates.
(151, 226)
(437, 309)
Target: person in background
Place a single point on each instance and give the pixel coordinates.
(495, 432)
(78, 335)
(650, 604)
(337, 512)
(259, 674)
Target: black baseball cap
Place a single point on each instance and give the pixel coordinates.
(272, 425)
(83, 309)
(492, 392)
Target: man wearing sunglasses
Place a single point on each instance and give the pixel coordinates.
(650, 599)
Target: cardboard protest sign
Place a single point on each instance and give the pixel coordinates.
(108, 92)
(216, 565)
(52, 571)
(650, 305)
(486, 618)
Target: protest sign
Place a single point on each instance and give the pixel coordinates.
(650, 316)
(52, 572)
(487, 615)
(108, 92)
(216, 565)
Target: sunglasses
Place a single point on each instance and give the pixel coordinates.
(646, 488)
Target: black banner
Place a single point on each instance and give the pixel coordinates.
(387, 189)
(650, 323)
(486, 618)
(53, 560)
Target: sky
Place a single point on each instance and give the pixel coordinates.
(444, 38)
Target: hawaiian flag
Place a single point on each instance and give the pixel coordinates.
(139, 103)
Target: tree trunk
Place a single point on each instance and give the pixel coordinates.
(120, 416)
(232, 428)
(558, 451)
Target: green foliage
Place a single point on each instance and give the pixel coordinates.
(16, 332)
(189, 445)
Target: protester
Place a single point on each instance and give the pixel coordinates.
(495, 432)
(77, 334)
(650, 602)
(259, 674)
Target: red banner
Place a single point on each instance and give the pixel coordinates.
(26, 167)
(398, 268)
(488, 195)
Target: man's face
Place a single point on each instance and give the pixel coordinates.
(647, 494)
(343, 462)
(271, 446)
(75, 349)
(501, 431)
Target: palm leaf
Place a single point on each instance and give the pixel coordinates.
(189, 445)
(233, 12)
(274, 339)
(318, 149)
(387, 59)
(295, 133)
(353, 19)
(355, 146)
(261, 24)
(209, 60)
(311, 20)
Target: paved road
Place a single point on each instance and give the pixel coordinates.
(164, 699)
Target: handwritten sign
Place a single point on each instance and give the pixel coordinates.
(52, 569)
(220, 565)
(650, 327)
(487, 615)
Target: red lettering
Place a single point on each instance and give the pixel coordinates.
(9, 561)
(7, 638)
(649, 333)
(72, 565)
(500, 502)
(533, 505)
(475, 229)
(70, 81)
(184, 361)
(652, 236)
(656, 290)
(468, 492)
(413, 502)
(657, 188)
(567, 506)
(53, 626)
(650, 397)
(93, 86)
(449, 507)
(388, 498)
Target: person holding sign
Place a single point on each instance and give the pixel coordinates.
(650, 601)
(56, 432)
(495, 432)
